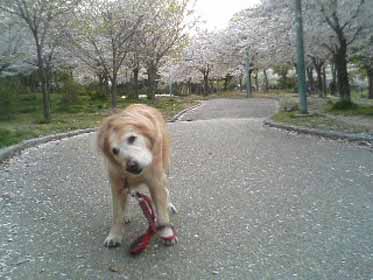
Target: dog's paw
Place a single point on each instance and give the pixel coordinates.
(168, 236)
(169, 242)
(114, 239)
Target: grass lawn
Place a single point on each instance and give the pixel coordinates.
(328, 114)
(318, 122)
(25, 120)
(355, 109)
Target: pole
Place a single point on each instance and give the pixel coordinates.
(248, 76)
(300, 59)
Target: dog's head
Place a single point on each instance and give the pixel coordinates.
(127, 141)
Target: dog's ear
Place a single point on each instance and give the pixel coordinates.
(103, 139)
(156, 140)
(103, 135)
(100, 139)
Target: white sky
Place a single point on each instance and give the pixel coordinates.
(217, 13)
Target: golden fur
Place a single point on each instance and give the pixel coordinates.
(147, 124)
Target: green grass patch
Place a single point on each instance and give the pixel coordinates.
(349, 109)
(343, 106)
(317, 121)
(10, 137)
(27, 121)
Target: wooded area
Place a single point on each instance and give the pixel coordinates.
(100, 49)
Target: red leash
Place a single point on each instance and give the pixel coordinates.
(140, 244)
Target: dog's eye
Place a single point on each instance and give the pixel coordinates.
(131, 139)
(115, 151)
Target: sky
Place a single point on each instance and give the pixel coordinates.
(217, 13)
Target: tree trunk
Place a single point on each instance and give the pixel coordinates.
(135, 92)
(318, 68)
(212, 87)
(342, 73)
(370, 81)
(113, 92)
(152, 76)
(206, 83)
(55, 78)
(43, 80)
(333, 85)
(240, 82)
(189, 86)
(249, 87)
(256, 80)
(107, 85)
(311, 81)
(49, 78)
(324, 87)
(226, 81)
(265, 81)
(284, 78)
(101, 84)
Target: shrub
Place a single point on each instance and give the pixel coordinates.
(8, 91)
(344, 106)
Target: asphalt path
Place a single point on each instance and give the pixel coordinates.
(253, 203)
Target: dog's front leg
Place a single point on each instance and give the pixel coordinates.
(160, 196)
(119, 197)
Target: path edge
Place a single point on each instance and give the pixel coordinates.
(11, 151)
(350, 137)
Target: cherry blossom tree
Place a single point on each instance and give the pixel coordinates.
(201, 56)
(344, 17)
(100, 36)
(40, 17)
(15, 50)
(162, 34)
(363, 54)
(334, 25)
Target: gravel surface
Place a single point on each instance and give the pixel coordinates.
(254, 203)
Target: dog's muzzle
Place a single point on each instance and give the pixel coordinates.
(133, 167)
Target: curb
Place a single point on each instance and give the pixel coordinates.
(351, 137)
(178, 116)
(10, 151)
(13, 150)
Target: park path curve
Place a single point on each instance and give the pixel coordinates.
(254, 203)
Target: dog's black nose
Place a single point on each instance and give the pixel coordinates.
(133, 167)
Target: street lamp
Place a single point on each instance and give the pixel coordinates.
(300, 58)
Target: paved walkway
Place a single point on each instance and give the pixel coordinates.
(254, 203)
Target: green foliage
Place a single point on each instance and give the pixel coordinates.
(28, 103)
(10, 137)
(343, 106)
(285, 82)
(350, 109)
(359, 95)
(97, 92)
(70, 93)
(7, 98)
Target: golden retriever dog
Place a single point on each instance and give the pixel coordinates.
(136, 146)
